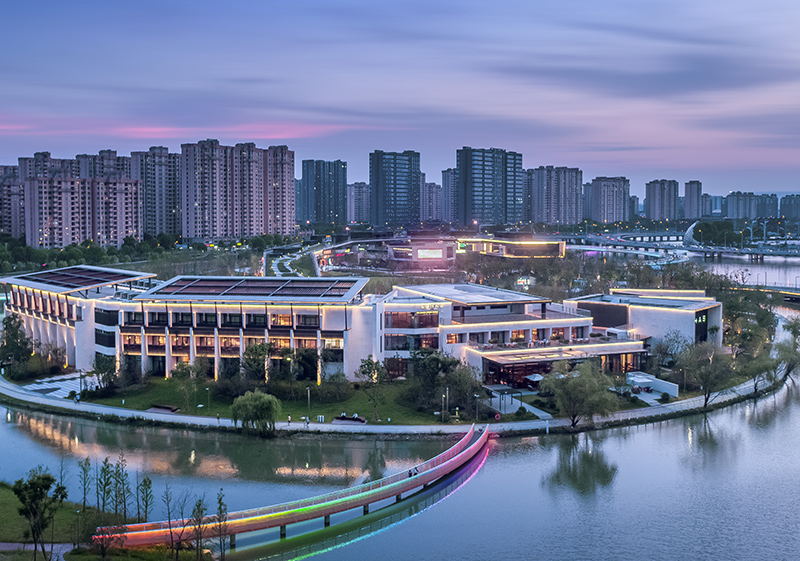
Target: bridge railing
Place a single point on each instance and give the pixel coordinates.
(319, 499)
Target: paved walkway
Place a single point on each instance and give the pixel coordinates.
(23, 393)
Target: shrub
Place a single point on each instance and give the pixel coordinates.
(520, 413)
(665, 397)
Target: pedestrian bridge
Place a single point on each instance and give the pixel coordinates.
(322, 506)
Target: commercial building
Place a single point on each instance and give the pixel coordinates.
(509, 337)
(655, 313)
(394, 179)
(607, 199)
(557, 196)
(661, 199)
(489, 186)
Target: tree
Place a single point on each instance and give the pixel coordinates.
(254, 361)
(199, 520)
(257, 411)
(15, 346)
(761, 368)
(144, 498)
(582, 394)
(104, 368)
(708, 367)
(85, 476)
(221, 525)
(166, 498)
(38, 504)
(373, 377)
(104, 484)
(121, 488)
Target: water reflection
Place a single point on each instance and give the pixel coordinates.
(219, 456)
(710, 443)
(581, 465)
(363, 527)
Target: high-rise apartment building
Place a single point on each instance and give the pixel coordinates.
(358, 202)
(767, 205)
(63, 211)
(158, 171)
(742, 205)
(693, 199)
(43, 165)
(430, 200)
(449, 186)
(489, 186)
(633, 207)
(12, 218)
(790, 207)
(103, 165)
(394, 178)
(230, 192)
(323, 192)
(661, 202)
(556, 195)
(279, 213)
(607, 199)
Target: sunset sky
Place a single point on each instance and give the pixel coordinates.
(676, 89)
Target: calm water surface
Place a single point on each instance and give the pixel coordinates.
(721, 486)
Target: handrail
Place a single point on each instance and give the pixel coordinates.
(319, 499)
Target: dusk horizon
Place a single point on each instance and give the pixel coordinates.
(674, 90)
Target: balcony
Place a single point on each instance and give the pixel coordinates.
(229, 352)
(132, 349)
(157, 350)
(181, 350)
(205, 351)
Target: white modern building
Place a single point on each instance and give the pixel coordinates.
(655, 313)
(510, 337)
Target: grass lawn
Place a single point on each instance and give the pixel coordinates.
(133, 554)
(13, 526)
(160, 391)
(539, 403)
(304, 265)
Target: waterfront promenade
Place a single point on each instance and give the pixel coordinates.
(22, 394)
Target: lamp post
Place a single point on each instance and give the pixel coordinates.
(758, 276)
(476, 406)
(795, 280)
(208, 399)
(442, 415)
(448, 399)
(308, 411)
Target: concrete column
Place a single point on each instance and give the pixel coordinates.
(366, 510)
(283, 532)
(327, 520)
(217, 359)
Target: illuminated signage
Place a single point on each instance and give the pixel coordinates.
(429, 254)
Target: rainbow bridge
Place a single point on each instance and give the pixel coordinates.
(322, 506)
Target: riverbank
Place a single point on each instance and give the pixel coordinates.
(18, 396)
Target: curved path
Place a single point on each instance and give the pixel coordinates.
(322, 506)
(22, 394)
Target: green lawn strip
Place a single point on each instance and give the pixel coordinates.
(539, 403)
(17, 555)
(13, 525)
(160, 391)
(304, 265)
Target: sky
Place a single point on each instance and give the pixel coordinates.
(675, 89)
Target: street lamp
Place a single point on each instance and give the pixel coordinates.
(442, 415)
(308, 412)
(448, 399)
(476, 406)
(208, 399)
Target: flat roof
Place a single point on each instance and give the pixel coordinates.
(475, 294)
(335, 290)
(651, 301)
(75, 279)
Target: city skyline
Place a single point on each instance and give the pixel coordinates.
(659, 93)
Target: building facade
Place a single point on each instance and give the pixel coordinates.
(62, 211)
(449, 185)
(661, 202)
(508, 337)
(358, 202)
(158, 171)
(693, 194)
(394, 179)
(323, 193)
(489, 186)
(607, 199)
(430, 201)
(557, 195)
